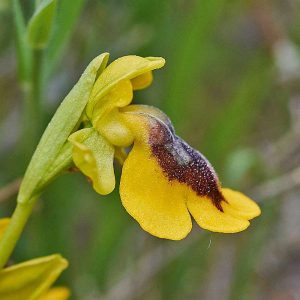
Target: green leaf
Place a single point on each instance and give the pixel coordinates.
(40, 25)
(22, 49)
(58, 130)
(31, 279)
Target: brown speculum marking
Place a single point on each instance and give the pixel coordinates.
(181, 162)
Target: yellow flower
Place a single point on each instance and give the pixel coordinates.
(31, 280)
(164, 181)
(94, 148)
(56, 293)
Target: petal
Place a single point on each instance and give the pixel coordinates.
(93, 155)
(3, 224)
(209, 217)
(57, 293)
(142, 81)
(182, 164)
(127, 67)
(239, 205)
(113, 129)
(119, 96)
(31, 279)
(150, 198)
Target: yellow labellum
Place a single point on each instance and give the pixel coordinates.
(239, 205)
(210, 218)
(150, 198)
(164, 181)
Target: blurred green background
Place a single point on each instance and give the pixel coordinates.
(231, 88)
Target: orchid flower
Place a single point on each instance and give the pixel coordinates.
(164, 181)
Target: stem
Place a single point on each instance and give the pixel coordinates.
(33, 106)
(37, 80)
(14, 230)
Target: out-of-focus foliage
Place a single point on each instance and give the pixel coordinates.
(40, 24)
(231, 87)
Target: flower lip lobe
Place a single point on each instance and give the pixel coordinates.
(164, 182)
(182, 163)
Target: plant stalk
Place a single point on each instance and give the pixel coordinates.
(14, 230)
(33, 118)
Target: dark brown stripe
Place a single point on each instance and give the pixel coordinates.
(181, 162)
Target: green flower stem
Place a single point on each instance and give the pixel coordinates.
(14, 230)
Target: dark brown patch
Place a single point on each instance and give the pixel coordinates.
(181, 162)
(73, 169)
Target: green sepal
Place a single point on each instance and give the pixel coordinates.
(94, 156)
(58, 130)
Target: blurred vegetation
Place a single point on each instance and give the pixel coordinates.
(231, 87)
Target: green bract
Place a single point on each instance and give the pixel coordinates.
(99, 154)
(53, 153)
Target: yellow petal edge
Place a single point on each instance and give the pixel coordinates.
(126, 67)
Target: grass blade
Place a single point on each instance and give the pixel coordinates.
(67, 16)
(40, 25)
(22, 49)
